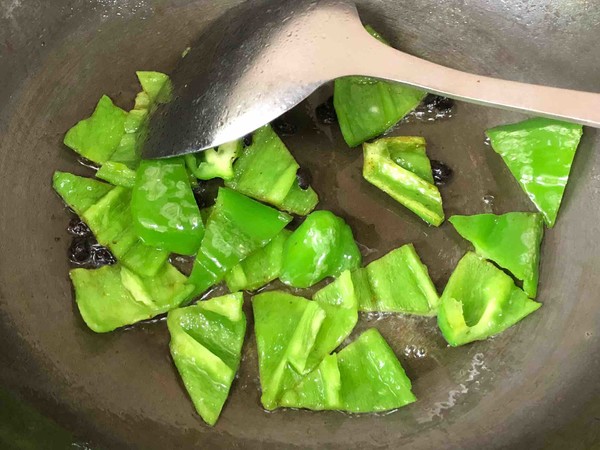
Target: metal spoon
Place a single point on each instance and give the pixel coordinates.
(262, 58)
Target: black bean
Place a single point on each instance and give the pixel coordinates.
(78, 228)
(438, 102)
(80, 250)
(247, 140)
(326, 112)
(200, 194)
(283, 127)
(441, 172)
(304, 178)
(101, 256)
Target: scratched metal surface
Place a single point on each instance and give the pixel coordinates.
(535, 386)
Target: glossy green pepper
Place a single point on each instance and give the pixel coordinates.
(237, 227)
(511, 240)
(266, 171)
(480, 301)
(113, 296)
(163, 207)
(322, 246)
(206, 346)
(397, 282)
(214, 162)
(388, 164)
(367, 107)
(79, 193)
(117, 173)
(539, 153)
(365, 376)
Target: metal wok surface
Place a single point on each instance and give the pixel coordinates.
(62, 386)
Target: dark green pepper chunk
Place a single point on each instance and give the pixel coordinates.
(237, 227)
(539, 153)
(323, 246)
(164, 211)
(480, 301)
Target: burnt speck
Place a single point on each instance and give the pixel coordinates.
(57, 239)
(78, 228)
(442, 174)
(284, 127)
(247, 140)
(439, 103)
(80, 251)
(325, 112)
(101, 256)
(304, 178)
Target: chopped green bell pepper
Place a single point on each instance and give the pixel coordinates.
(164, 211)
(323, 246)
(214, 163)
(340, 304)
(112, 296)
(237, 227)
(510, 240)
(388, 167)
(157, 85)
(116, 173)
(261, 267)
(266, 171)
(109, 218)
(397, 282)
(97, 137)
(479, 301)
(410, 153)
(206, 345)
(539, 153)
(367, 107)
(365, 376)
(286, 327)
(79, 193)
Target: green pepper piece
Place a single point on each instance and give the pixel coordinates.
(261, 267)
(286, 327)
(157, 85)
(399, 282)
(511, 240)
(97, 137)
(112, 296)
(539, 153)
(367, 107)
(214, 163)
(323, 246)
(479, 301)
(365, 376)
(237, 227)
(79, 193)
(206, 345)
(410, 153)
(163, 207)
(340, 304)
(116, 173)
(299, 201)
(408, 188)
(266, 171)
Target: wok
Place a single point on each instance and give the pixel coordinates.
(62, 386)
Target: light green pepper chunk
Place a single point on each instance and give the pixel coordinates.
(511, 240)
(539, 153)
(480, 301)
(365, 376)
(206, 346)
